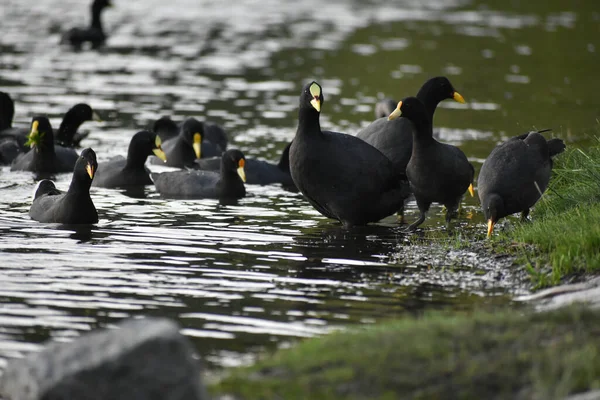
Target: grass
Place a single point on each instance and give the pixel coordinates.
(451, 356)
(565, 230)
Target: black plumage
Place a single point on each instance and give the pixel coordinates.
(437, 172)
(258, 172)
(515, 174)
(226, 185)
(74, 206)
(44, 157)
(394, 138)
(94, 34)
(120, 172)
(214, 138)
(342, 176)
(67, 134)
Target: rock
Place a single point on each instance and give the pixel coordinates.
(144, 359)
(585, 292)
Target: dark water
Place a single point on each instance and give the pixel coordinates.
(271, 269)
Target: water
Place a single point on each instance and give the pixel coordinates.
(241, 279)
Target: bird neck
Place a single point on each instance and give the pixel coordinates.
(423, 134)
(429, 99)
(67, 129)
(80, 186)
(135, 158)
(96, 20)
(308, 122)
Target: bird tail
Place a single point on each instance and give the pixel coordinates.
(45, 186)
(555, 146)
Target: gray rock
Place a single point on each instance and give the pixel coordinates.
(144, 359)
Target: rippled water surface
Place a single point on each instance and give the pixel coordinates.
(243, 278)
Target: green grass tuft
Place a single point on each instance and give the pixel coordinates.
(441, 356)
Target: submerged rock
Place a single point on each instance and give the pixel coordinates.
(144, 359)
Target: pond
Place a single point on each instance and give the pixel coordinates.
(244, 278)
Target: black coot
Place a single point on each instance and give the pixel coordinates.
(75, 206)
(437, 172)
(120, 172)
(44, 158)
(94, 34)
(258, 172)
(515, 174)
(342, 176)
(226, 185)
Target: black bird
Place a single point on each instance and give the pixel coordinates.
(383, 108)
(226, 185)
(67, 134)
(75, 206)
(258, 172)
(515, 174)
(7, 111)
(437, 172)
(214, 139)
(44, 157)
(394, 138)
(13, 139)
(183, 149)
(120, 172)
(94, 34)
(342, 176)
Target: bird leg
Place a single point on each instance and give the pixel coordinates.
(524, 215)
(418, 222)
(400, 214)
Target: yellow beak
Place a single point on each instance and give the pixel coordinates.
(241, 171)
(458, 98)
(396, 113)
(316, 103)
(96, 117)
(490, 228)
(90, 171)
(471, 190)
(160, 154)
(197, 144)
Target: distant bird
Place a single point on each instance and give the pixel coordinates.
(74, 206)
(258, 172)
(385, 107)
(515, 174)
(121, 172)
(437, 172)
(214, 140)
(44, 157)
(226, 185)
(94, 34)
(343, 177)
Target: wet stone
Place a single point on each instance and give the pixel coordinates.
(143, 359)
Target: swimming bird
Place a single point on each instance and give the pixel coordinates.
(214, 139)
(258, 172)
(94, 34)
(131, 171)
(226, 185)
(67, 134)
(183, 149)
(437, 172)
(44, 157)
(342, 176)
(74, 206)
(515, 174)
